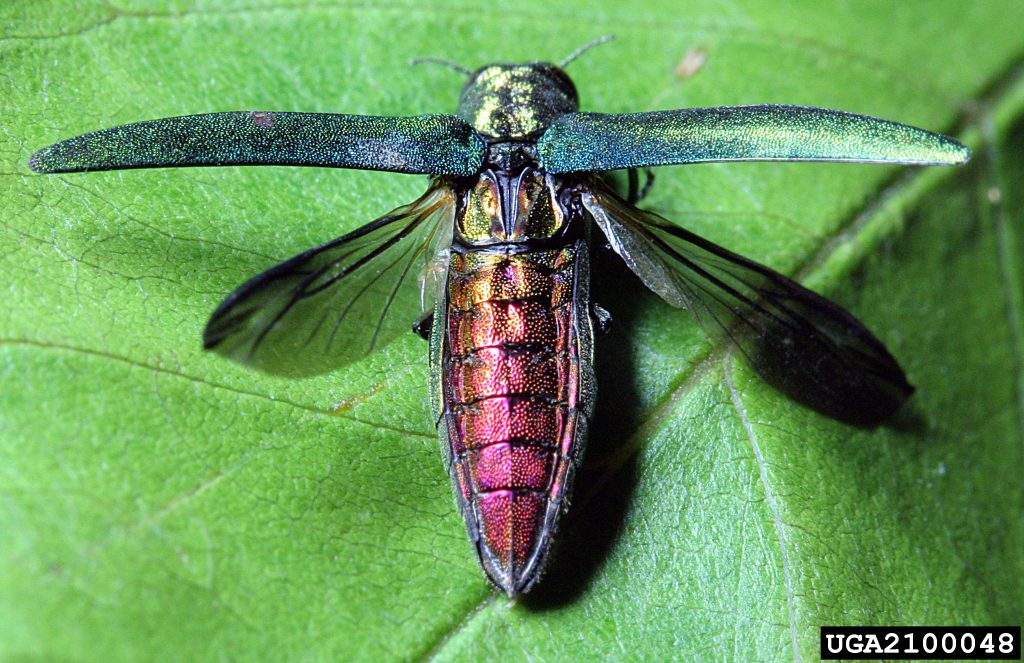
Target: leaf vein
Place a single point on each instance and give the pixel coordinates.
(208, 383)
(1009, 271)
(773, 506)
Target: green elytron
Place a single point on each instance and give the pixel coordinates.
(498, 248)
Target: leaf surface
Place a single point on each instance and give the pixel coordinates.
(162, 504)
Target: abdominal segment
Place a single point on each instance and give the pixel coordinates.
(516, 388)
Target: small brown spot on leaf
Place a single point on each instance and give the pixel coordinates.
(691, 62)
(265, 120)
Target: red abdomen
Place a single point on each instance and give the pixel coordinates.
(516, 388)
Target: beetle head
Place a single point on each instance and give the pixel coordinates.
(517, 101)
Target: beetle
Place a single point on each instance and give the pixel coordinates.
(496, 256)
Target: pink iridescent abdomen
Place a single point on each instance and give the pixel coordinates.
(516, 387)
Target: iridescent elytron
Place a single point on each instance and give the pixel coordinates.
(499, 247)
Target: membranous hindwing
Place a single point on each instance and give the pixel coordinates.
(336, 303)
(800, 342)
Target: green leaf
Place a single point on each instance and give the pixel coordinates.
(162, 504)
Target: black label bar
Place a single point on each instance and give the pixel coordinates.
(921, 642)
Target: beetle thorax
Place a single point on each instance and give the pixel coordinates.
(515, 101)
(507, 207)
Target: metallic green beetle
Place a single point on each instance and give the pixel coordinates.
(498, 247)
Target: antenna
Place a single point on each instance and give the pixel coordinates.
(447, 63)
(584, 48)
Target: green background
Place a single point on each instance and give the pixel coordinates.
(161, 504)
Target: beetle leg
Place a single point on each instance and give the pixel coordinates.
(423, 326)
(633, 193)
(636, 193)
(601, 319)
(648, 183)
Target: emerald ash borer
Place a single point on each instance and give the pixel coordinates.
(495, 255)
